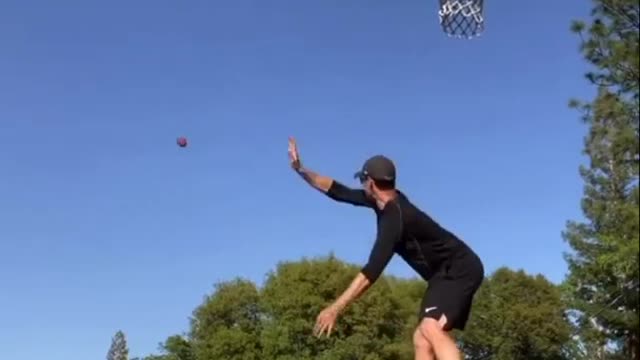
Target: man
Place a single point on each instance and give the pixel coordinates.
(453, 270)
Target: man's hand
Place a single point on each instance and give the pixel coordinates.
(319, 182)
(294, 156)
(327, 318)
(326, 321)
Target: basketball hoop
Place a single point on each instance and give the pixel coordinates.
(462, 18)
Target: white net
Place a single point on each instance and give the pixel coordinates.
(462, 18)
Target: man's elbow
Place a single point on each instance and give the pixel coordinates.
(370, 275)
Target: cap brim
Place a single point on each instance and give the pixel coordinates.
(361, 175)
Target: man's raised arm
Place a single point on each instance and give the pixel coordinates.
(335, 190)
(319, 182)
(327, 185)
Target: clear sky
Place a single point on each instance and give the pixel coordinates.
(106, 224)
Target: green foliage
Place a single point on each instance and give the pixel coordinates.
(179, 348)
(408, 294)
(604, 264)
(611, 44)
(297, 291)
(227, 324)
(516, 316)
(118, 349)
(174, 348)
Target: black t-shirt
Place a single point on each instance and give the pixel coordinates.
(406, 230)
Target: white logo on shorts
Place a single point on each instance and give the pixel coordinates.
(430, 309)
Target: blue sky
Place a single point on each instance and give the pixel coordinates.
(106, 224)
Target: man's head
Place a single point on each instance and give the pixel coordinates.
(377, 176)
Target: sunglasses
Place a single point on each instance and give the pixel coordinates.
(362, 176)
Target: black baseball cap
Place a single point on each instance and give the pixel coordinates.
(377, 167)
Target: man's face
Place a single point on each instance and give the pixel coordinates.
(367, 185)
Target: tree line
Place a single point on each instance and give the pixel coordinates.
(592, 315)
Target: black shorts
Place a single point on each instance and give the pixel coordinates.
(450, 291)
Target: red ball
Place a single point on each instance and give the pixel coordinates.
(182, 141)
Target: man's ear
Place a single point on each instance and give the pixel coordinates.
(371, 186)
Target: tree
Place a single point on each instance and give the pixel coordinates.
(296, 292)
(176, 347)
(228, 324)
(239, 322)
(118, 349)
(516, 317)
(408, 294)
(603, 280)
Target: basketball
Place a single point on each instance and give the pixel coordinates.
(182, 141)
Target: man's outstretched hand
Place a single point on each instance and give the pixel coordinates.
(326, 321)
(319, 182)
(294, 156)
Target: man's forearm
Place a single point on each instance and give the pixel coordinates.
(358, 286)
(322, 183)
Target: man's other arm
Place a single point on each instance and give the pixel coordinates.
(389, 233)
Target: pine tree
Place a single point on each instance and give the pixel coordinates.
(118, 349)
(603, 265)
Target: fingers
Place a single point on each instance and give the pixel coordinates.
(293, 149)
(292, 145)
(294, 157)
(318, 329)
(324, 324)
(321, 329)
(320, 326)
